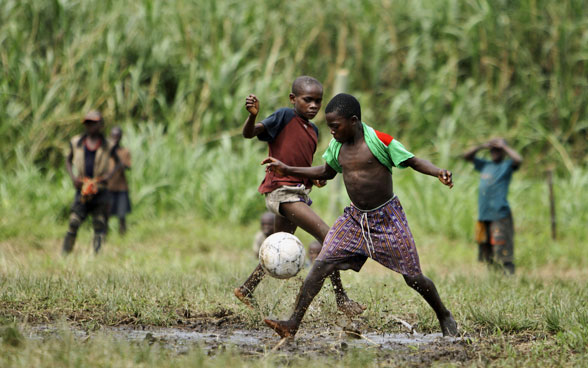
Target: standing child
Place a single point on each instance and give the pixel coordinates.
(314, 248)
(374, 225)
(87, 165)
(494, 229)
(266, 229)
(291, 137)
(118, 186)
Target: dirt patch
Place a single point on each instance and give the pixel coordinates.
(406, 348)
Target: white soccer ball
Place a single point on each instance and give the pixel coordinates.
(282, 255)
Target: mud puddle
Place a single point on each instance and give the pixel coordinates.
(408, 347)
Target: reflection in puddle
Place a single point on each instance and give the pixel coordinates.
(250, 340)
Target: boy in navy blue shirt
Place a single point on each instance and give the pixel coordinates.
(494, 229)
(292, 138)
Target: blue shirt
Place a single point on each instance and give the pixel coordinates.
(494, 181)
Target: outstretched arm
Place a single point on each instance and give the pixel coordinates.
(427, 168)
(250, 127)
(324, 172)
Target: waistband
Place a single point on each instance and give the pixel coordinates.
(374, 209)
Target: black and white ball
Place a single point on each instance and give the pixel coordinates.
(282, 255)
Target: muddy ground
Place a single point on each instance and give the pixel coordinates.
(217, 333)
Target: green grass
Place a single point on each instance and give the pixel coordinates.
(168, 266)
(438, 75)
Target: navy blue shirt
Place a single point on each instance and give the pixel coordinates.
(494, 181)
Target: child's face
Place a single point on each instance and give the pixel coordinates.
(496, 154)
(307, 102)
(313, 250)
(342, 129)
(92, 127)
(115, 136)
(267, 226)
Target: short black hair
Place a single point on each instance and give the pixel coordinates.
(345, 105)
(304, 80)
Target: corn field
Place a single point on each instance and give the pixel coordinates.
(438, 75)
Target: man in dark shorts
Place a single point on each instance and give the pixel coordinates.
(374, 225)
(291, 137)
(494, 229)
(87, 164)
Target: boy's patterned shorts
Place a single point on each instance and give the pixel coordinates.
(381, 234)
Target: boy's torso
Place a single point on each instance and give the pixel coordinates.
(495, 179)
(294, 144)
(118, 182)
(368, 182)
(99, 166)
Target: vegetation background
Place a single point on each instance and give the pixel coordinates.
(439, 75)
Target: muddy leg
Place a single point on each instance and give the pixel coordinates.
(68, 243)
(311, 286)
(427, 289)
(245, 292)
(349, 307)
(485, 253)
(99, 224)
(122, 225)
(70, 237)
(301, 215)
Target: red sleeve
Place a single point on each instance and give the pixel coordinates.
(385, 138)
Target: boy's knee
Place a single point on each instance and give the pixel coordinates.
(99, 223)
(74, 223)
(415, 281)
(323, 268)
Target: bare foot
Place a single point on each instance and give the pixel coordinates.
(448, 326)
(350, 308)
(282, 328)
(245, 299)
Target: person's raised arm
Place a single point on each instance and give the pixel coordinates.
(250, 127)
(470, 154)
(427, 168)
(324, 172)
(516, 158)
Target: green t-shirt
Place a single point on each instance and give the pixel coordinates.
(386, 149)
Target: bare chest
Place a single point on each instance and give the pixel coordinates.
(356, 157)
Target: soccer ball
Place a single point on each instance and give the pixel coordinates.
(281, 255)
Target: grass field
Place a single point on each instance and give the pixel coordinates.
(179, 270)
(439, 75)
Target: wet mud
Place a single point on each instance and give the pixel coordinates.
(412, 349)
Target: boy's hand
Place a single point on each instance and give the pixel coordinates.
(446, 177)
(319, 183)
(77, 182)
(275, 165)
(252, 104)
(498, 143)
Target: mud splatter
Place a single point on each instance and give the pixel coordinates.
(414, 349)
